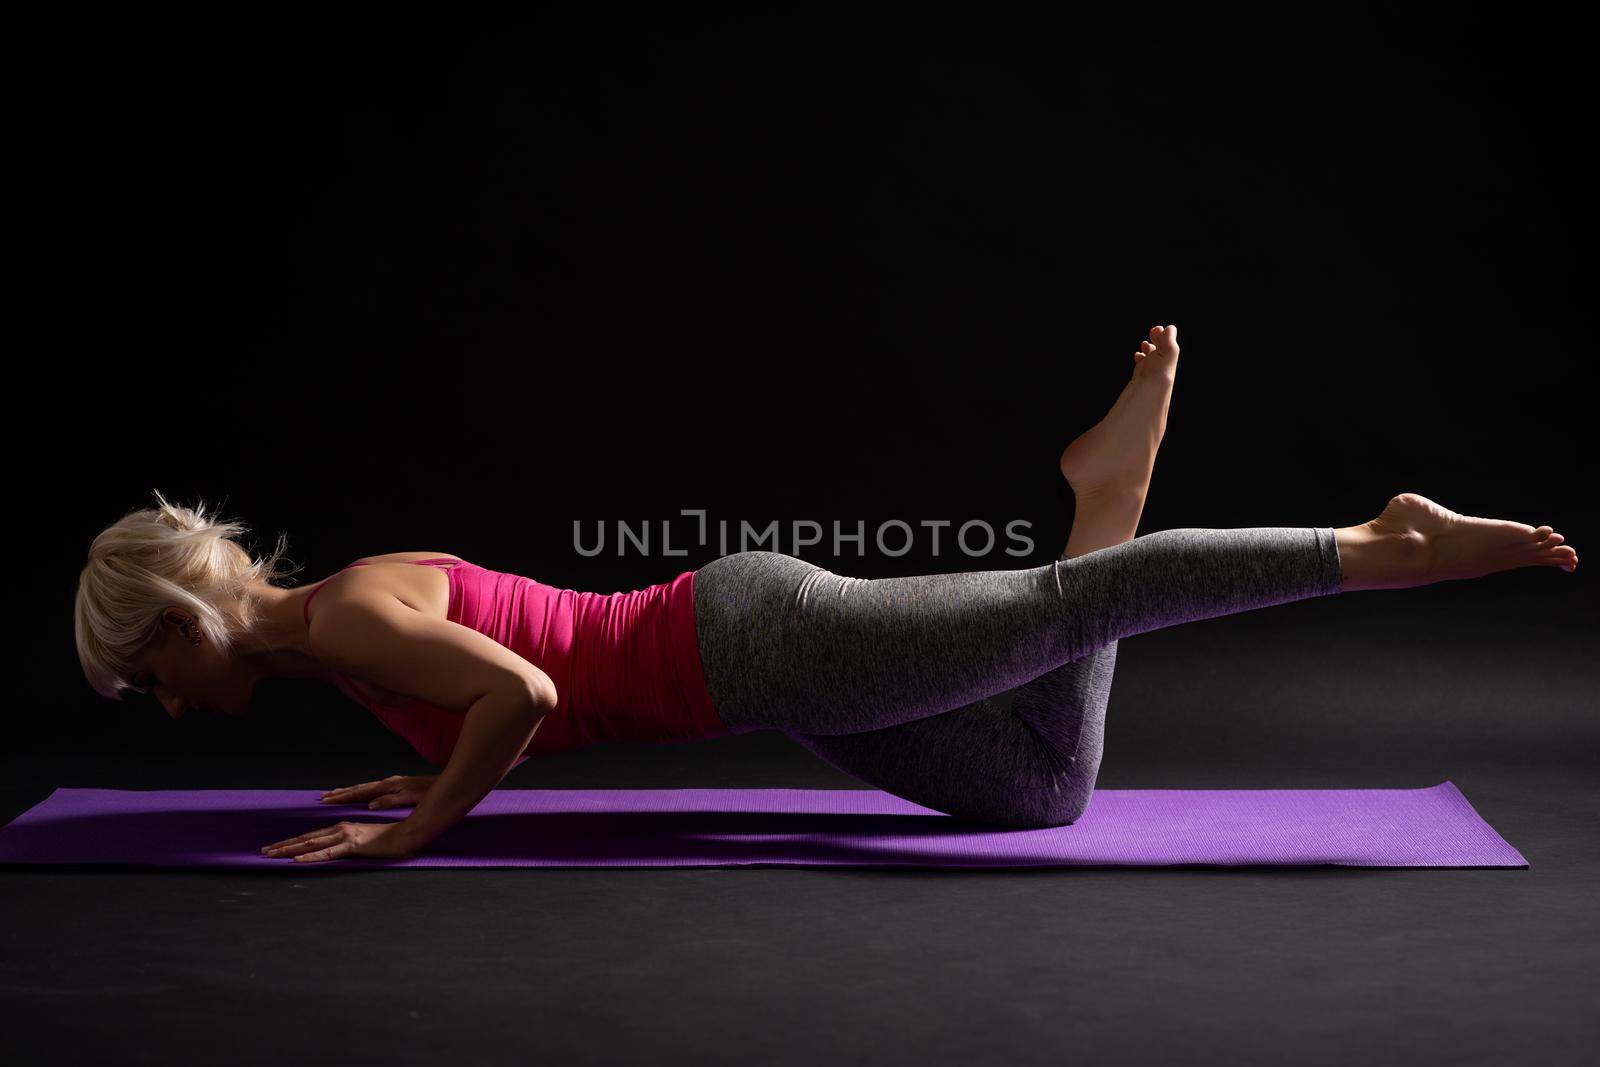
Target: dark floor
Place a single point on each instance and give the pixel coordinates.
(764, 965)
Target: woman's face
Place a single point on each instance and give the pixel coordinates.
(184, 676)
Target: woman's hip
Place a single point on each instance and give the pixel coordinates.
(786, 643)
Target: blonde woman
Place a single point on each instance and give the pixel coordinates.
(981, 694)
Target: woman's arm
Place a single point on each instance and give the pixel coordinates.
(499, 726)
(373, 635)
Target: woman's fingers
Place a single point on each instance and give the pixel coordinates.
(354, 792)
(349, 792)
(331, 853)
(290, 842)
(395, 791)
(298, 845)
(305, 842)
(286, 842)
(364, 791)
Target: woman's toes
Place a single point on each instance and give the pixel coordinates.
(1163, 339)
(1560, 557)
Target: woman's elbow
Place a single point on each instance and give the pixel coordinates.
(540, 693)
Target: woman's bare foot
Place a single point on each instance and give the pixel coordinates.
(1119, 451)
(1418, 542)
(1109, 465)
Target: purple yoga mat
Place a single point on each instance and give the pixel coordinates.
(777, 827)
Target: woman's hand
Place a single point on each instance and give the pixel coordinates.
(386, 840)
(395, 791)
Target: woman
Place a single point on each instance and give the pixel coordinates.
(981, 694)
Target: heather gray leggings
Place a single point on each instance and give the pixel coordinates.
(980, 694)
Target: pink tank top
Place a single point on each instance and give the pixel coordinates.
(626, 666)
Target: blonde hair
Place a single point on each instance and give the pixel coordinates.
(155, 558)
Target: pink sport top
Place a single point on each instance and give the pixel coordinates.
(626, 666)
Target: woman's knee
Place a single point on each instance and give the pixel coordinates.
(1041, 809)
(1068, 808)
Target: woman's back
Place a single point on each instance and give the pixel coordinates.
(626, 666)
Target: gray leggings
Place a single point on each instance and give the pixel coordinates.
(979, 694)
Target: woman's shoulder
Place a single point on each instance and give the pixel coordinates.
(408, 557)
(425, 588)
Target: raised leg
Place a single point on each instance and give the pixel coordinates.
(941, 688)
(790, 645)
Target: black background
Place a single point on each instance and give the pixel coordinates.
(395, 284)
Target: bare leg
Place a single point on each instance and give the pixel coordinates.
(1418, 542)
(1414, 542)
(1109, 466)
